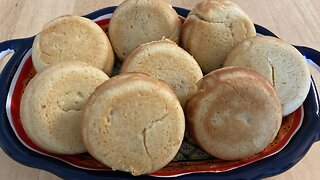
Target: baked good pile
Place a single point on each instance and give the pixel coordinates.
(210, 76)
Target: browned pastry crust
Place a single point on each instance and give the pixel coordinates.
(235, 114)
(133, 123)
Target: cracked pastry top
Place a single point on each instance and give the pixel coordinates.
(72, 38)
(52, 104)
(166, 61)
(212, 29)
(281, 63)
(136, 22)
(235, 114)
(133, 123)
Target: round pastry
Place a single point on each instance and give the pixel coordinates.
(279, 62)
(212, 29)
(235, 114)
(133, 123)
(166, 61)
(72, 38)
(52, 104)
(138, 22)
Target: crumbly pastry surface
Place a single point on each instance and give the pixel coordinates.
(52, 104)
(133, 123)
(166, 61)
(212, 29)
(235, 114)
(281, 63)
(72, 38)
(136, 22)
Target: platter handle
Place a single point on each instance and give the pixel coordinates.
(16, 47)
(313, 58)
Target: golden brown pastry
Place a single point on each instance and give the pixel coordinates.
(166, 61)
(279, 62)
(235, 114)
(72, 38)
(133, 123)
(52, 104)
(138, 22)
(212, 29)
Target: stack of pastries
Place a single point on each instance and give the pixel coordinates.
(210, 75)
